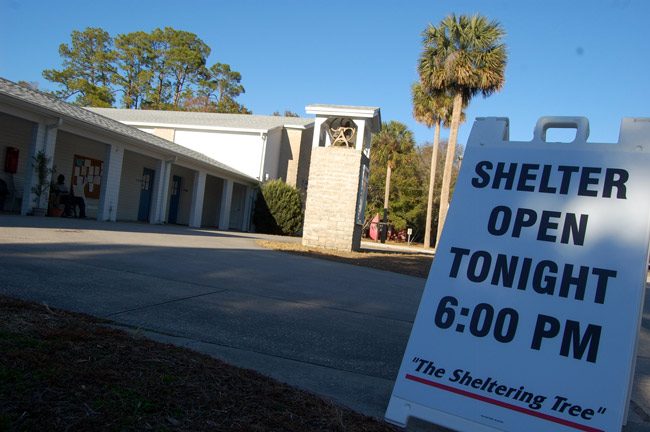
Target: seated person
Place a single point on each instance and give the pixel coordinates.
(68, 199)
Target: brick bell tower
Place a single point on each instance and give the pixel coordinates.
(338, 175)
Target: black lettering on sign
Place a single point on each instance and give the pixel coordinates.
(458, 256)
(579, 343)
(615, 178)
(544, 183)
(548, 327)
(483, 178)
(532, 177)
(499, 220)
(587, 179)
(506, 174)
(548, 224)
(545, 277)
(567, 172)
(527, 175)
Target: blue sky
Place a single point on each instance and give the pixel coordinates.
(579, 57)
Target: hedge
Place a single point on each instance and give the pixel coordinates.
(278, 209)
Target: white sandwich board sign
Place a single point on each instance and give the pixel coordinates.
(530, 315)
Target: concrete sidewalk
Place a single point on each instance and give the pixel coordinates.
(334, 329)
(396, 247)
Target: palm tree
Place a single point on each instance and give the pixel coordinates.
(393, 140)
(465, 56)
(431, 109)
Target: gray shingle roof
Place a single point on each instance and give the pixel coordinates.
(93, 119)
(217, 120)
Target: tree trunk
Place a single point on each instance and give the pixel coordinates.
(178, 89)
(432, 180)
(449, 162)
(387, 191)
(384, 227)
(161, 81)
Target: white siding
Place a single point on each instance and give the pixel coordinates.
(272, 155)
(131, 184)
(15, 132)
(241, 151)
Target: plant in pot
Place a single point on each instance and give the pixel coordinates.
(41, 162)
(54, 207)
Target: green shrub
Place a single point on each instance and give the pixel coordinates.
(278, 209)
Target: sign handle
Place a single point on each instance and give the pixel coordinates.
(580, 124)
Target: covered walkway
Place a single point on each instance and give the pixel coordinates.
(121, 172)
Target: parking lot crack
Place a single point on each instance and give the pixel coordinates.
(175, 300)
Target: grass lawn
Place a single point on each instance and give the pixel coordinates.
(64, 371)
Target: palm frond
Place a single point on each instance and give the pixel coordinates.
(463, 53)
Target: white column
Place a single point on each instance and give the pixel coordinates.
(361, 134)
(198, 191)
(43, 138)
(318, 132)
(161, 192)
(226, 204)
(262, 174)
(111, 179)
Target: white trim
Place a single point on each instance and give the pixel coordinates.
(251, 131)
(296, 126)
(342, 110)
(264, 137)
(25, 114)
(371, 114)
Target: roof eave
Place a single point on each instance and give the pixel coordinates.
(362, 112)
(121, 137)
(139, 124)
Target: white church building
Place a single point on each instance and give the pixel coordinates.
(195, 169)
(262, 147)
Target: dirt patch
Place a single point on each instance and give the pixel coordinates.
(66, 371)
(417, 265)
